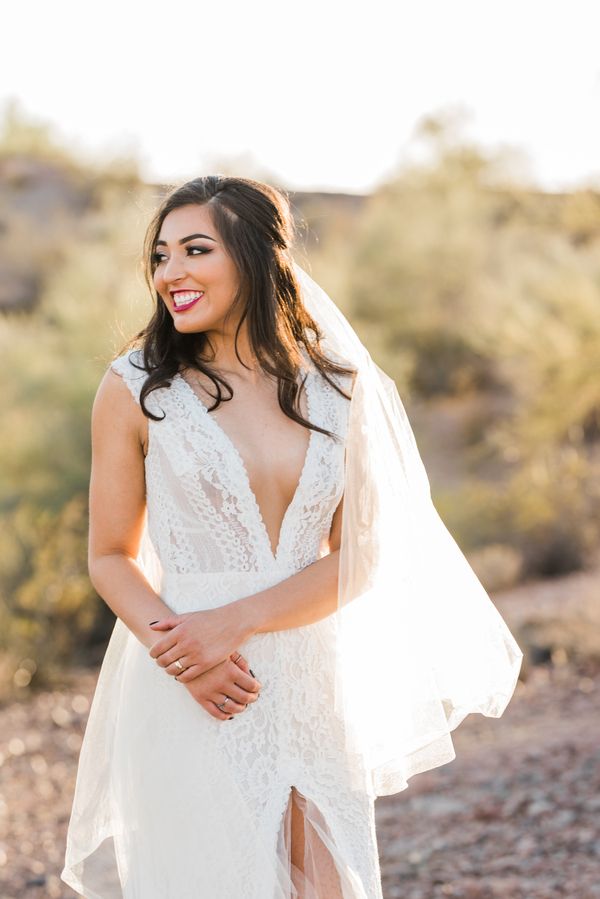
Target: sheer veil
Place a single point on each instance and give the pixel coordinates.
(421, 645)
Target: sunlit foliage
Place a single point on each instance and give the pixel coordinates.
(478, 294)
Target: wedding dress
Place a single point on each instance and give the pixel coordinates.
(171, 803)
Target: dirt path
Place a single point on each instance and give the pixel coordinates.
(516, 814)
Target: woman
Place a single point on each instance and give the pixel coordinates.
(219, 475)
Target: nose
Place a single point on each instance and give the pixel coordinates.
(173, 270)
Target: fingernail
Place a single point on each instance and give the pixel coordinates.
(155, 622)
(230, 718)
(251, 672)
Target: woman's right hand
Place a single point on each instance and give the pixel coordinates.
(228, 678)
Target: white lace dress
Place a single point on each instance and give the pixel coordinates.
(171, 803)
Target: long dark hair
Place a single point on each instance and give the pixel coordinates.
(256, 225)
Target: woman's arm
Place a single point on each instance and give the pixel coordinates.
(202, 639)
(117, 504)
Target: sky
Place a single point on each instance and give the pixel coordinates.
(321, 95)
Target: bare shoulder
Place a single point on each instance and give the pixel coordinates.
(117, 477)
(115, 412)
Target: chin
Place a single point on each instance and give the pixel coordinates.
(188, 326)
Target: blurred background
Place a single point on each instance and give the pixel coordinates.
(443, 166)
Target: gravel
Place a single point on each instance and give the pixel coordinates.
(516, 814)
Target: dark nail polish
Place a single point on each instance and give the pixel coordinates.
(155, 622)
(230, 718)
(251, 672)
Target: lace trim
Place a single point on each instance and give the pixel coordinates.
(243, 478)
(209, 516)
(133, 377)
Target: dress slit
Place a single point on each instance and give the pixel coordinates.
(308, 851)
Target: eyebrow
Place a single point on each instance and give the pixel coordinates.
(183, 240)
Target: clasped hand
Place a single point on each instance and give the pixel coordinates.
(204, 643)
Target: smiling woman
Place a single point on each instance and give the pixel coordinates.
(179, 270)
(243, 416)
(252, 472)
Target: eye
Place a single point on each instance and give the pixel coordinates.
(157, 258)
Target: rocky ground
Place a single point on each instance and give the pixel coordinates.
(516, 814)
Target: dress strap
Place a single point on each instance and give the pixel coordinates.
(134, 377)
(333, 407)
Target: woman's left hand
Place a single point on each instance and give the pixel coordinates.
(199, 640)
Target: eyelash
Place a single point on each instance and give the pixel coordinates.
(157, 257)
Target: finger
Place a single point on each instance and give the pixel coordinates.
(243, 680)
(169, 657)
(176, 653)
(165, 623)
(184, 677)
(212, 709)
(162, 645)
(174, 669)
(240, 661)
(241, 696)
(223, 714)
(252, 674)
(209, 706)
(250, 697)
(231, 706)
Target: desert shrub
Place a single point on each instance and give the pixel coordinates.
(50, 612)
(546, 512)
(53, 360)
(482, 286)
(497, 565)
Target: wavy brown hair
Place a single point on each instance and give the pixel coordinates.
(255, 222)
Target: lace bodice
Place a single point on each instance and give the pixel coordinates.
(202, 512)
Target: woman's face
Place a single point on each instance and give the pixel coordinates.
(190, 259)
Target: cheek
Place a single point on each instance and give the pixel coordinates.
(159, 285)
(230, 285)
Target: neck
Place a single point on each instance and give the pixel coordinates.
(221, 355)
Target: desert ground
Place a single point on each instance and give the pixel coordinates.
(516, 814)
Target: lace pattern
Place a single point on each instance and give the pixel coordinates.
(206, 526)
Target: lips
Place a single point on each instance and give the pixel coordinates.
(185, 299)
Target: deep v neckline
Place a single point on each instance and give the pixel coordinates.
(273, 555)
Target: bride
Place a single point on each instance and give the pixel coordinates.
(296, 632)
